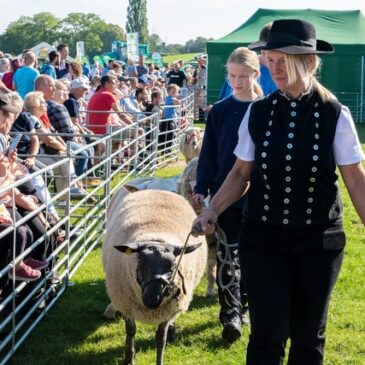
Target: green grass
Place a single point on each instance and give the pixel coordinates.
(185, 57)
(74, 332)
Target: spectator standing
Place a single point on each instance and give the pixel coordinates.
(24, 77)
(176, 76)
(75, 70)
(131, 70)
(170, 114)
(142, 69)
(63, 66)
(4, 66)
(267, 84)
(49, 68)
(7, 77)
(108, 68)
(85, 70)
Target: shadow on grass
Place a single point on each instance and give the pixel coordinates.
(76, 320)
(202, 301)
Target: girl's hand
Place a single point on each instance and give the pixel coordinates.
(205, 223)
(197, 201)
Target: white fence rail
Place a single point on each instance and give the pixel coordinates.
(130, 151)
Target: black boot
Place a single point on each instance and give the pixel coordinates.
(232, 324)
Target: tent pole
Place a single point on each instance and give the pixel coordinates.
(362, 88)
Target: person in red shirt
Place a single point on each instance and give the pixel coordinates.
(105, 99)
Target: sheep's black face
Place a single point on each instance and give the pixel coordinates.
(155, 266)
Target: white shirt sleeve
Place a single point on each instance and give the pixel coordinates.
(346, 146)
(245, 149)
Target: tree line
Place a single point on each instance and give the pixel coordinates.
(28, 31)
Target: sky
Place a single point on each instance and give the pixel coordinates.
(173, 21)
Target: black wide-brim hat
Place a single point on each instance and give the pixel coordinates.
(293, 36)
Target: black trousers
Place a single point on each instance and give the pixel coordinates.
(232, 297)
(288, 296)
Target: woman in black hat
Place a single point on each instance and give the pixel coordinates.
(292, 238)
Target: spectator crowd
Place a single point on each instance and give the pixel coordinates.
(65, 101)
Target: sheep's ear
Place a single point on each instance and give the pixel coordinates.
(189, 249)
(129, 248)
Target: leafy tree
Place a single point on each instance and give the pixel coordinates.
(90, 28)
(137, 19)
(29, 31)
(96, 34)
(155, 43)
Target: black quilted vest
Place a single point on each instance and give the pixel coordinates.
(293, 182)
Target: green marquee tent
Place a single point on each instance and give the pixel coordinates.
(341, 72)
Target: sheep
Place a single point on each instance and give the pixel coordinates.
(144, 240)
(191, 143)
(185, 188)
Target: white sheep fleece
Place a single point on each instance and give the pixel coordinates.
(149, 215)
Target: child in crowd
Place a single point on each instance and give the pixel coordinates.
(169, 123)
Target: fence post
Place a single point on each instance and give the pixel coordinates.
(108, 167)
(68, 210)
(135, 146)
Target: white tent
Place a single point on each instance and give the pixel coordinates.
(42, 50)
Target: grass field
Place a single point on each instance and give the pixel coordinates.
(74, 332)
(185, 57)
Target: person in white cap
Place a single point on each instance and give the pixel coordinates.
(78, 89)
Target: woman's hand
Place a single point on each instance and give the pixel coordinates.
(205, 223)
(29, 162)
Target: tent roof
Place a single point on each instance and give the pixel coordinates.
(334, 26)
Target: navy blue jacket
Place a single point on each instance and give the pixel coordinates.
(220, 139)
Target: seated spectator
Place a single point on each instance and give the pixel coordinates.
(61, 122)
(53, 145)
(123, 86)
(105, 100)
(7, 77)
(28, 146)
(95, 71)
(78, 88)
(10, 246)
(95, 82)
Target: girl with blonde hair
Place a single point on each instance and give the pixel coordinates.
(215, 161)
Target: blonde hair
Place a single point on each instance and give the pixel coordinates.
(76, 69)
(244, 57)
(173, 87)
(31, 100)
(305, 67)
(16, 100)
(61, 85)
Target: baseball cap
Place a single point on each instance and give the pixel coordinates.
(80, 82)
(6, 104)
